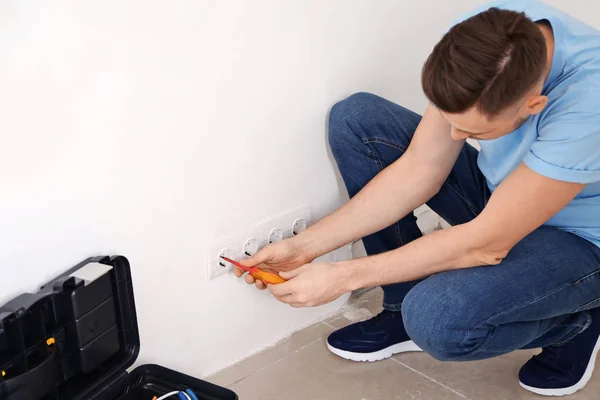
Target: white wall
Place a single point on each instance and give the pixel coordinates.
(123, 124)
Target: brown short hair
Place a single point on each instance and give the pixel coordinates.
(490, 60)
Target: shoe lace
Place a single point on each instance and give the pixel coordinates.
(550, 358)
(381, 317)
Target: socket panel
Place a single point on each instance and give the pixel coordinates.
(233, 244)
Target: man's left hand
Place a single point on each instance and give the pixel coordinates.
(312, 285)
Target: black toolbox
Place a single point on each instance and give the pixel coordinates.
(76, 337)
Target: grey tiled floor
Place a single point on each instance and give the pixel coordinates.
(301, 368)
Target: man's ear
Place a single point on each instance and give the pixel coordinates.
(536, 104)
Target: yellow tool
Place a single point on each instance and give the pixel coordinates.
(264, 276)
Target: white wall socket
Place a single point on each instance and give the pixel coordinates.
(275, 235)
(250, 247)
(254, 237)
(225, 264)
(299, 226)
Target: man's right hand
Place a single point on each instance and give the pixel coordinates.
(391, 195)
(283, 256)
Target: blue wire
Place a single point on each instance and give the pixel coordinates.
(191, 394)
(181, 396)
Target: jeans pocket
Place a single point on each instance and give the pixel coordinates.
(588, 306)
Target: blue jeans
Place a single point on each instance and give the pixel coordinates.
(538, 296)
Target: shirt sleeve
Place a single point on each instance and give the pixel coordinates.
(568, 148)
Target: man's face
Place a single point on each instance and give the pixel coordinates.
(474, 125)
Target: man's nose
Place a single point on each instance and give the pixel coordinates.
(457, 134)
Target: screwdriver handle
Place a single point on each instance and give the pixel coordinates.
(257, 273)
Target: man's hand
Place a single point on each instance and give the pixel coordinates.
(524, 201)
(283, 256)
(312, 285)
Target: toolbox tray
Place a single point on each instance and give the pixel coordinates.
(76, 337)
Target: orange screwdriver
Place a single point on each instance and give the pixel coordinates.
(267, 278)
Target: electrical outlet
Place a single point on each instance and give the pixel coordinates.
(222, 263)
(299, 226)
(217, 266)
(285, 222)
(230, 246)
(276, 235)
(253, 237)
(250, 247)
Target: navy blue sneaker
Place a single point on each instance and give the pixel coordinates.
(375, 339)
(565, 369)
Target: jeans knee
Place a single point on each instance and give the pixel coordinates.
(343, 113)
(439, 327)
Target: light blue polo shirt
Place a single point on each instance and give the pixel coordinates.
(563, 142)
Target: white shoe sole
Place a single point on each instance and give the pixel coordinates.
(403, 347)
(571, 389)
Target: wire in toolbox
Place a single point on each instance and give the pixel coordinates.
(187, 395)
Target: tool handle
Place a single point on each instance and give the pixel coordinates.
(257, 273)
(267, 277)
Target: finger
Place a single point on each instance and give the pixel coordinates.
(238, 272)
(289, 299)
(294, 273)
(260, 285)
(250, 279)
(282, 289)
(297, 305)
(259, 258)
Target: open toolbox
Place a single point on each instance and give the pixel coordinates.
(76, 337)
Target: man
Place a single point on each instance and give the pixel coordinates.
(520, 266)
